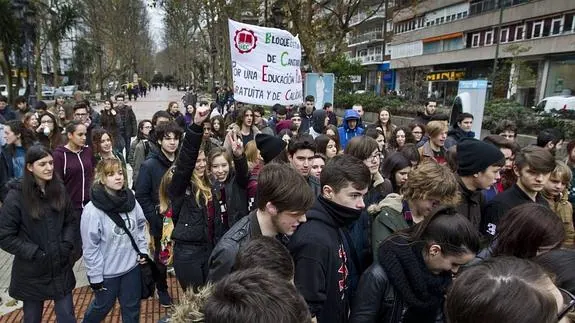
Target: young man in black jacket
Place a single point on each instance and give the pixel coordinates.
(533, 167)
(283, 197)
(478, 166)
(301, 152)
(322, 247)
(151, 172)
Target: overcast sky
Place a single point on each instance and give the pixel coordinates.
(156, 26)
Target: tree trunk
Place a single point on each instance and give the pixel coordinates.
(56, 63)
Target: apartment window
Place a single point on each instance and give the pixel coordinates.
(459, 15)
(475, 40)
(504, 35)
(520, 32)
(464, 14)
(441, 20)
(556, 26)
(537, 30)
(453, 17)
(448, 18)
(437, 21)
(489, 38)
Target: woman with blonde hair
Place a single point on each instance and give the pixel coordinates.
(108, 224)
(190, 193)
(253, 155)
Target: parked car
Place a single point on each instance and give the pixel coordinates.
(556, 104)
(65, 91)
(47, 92)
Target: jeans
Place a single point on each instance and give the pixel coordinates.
(63, 307)
(162, 280)
(127, 142)
(127, 288)
(191, 265)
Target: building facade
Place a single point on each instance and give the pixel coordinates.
(366, 44)
(437, 43)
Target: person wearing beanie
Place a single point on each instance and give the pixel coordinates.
(269, 146)
(478, 166)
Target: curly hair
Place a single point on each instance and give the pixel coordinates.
(431, 180)
(409, 138)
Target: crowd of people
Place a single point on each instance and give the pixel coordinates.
(298, 217)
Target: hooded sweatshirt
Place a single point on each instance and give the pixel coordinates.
(323, 259)
(76, 171)
(108, 251)
(318, 123)
(345, 133)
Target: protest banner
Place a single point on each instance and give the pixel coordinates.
(265, 65)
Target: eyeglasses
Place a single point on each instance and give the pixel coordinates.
(569, 300)
(374, 157)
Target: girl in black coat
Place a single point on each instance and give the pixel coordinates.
(190, 193)
(37, 226)
(408, 282)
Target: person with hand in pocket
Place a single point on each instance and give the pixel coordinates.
(112, 263)
(38, 227)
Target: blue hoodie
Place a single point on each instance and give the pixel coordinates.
(345, 133)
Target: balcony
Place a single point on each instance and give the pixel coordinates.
(372, 36)
(364, 14)
(368, 59)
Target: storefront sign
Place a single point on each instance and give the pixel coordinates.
(265, 65)
(445, 76)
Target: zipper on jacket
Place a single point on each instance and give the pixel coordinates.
(83, 177)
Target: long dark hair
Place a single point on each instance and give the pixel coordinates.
(396, 162)
(108, 119)
(97, 135)
(54, 191)
(220, 134)
(448, 229)
(27, 137)
(525, 229)
(141, 125)
(55, 138)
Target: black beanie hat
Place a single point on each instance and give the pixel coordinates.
(474, 156)
(269, 146)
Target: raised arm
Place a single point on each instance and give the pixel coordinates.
(188, 155)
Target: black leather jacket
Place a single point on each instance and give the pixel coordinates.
(377, 301)
(223, 256)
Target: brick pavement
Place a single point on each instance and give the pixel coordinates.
(144, 108)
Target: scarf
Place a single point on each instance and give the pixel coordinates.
(123, 202)
(342, 216)
(421, 291)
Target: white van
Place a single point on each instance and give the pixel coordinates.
(558, 103)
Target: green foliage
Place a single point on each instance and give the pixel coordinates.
(528, 121)
(343, 68)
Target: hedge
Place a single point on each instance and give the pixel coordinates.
(528, 121)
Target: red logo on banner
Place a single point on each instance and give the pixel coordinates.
(245, 40)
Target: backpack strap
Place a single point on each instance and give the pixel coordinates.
(120, 222)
